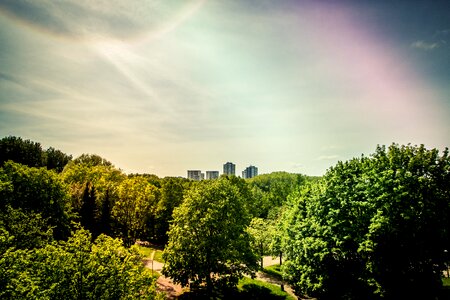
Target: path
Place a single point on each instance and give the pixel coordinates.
(173, 290)
(164, 284)
(269, 261)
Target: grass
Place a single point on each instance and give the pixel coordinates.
(257, 289)
(247, 288)
(274, 271)
(147, 252)
(446, 281)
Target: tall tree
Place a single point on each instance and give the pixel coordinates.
(132, 209)
(374, 227)
(56, 159)
(36, 190)
(103, 179)
(76, 269)
(208, 242)
(171, 197)
(31, 154)
(271, 190)
(21, 151)
(88, 210)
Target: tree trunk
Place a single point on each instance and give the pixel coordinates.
(209, 285)
(262, 256)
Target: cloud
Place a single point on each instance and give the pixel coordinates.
(328, 157)
(119, 19)
(422, 45)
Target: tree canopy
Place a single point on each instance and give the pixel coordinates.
(208, 242)
(373, 227)
(30, 153)
(36, 190)
(76, 269)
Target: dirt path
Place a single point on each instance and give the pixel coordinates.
(164, 284)
(270, 261)
(173, 290)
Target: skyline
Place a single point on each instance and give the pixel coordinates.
(161, 87)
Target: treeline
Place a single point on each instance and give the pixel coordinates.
(45, 209)
(374, 227)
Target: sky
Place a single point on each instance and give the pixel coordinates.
(165, 86)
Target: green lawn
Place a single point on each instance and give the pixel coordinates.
(446, 281)
(247, 288)
(274, 271)
(147, 252)
(257, 289)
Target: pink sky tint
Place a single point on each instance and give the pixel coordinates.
(386, 90)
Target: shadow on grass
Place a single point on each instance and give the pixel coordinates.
(247, 291)
(445, 293)
(254, 291)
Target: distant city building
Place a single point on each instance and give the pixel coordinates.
(195, 175)
(229, 169)
(212, 174)
(250, 172)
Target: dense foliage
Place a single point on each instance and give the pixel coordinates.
(76, 269)
(31, 154)
(208, 242)
(374, 227)
(36, 190)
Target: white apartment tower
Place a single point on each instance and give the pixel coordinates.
(195, 175)
(212, 174)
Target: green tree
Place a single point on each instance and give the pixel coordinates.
(88, 210)
(133, 207)
(23, 230)
(76, 269)
(21, 151)
(31, 154)
(38, 191)
(271, 190)
(208, 242)
(82, 174)
(92, 160)
(171, 197)
(56, 159)
(261, 231)
(374, 227)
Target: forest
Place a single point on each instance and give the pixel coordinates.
(373, 227)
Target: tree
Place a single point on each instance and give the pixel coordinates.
(208, 242)
(262, 234)
(21, 151)
(88, 210)
(92, 160)
(373, 227)
(31, 154)
(56, 159)
(76, 269)
(23, 230)
(80, 175)
(271, 190)
(171, 197)
(38, 191)
(132, 209)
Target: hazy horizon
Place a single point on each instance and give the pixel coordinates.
(161, 87)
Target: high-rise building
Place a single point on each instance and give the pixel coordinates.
(212, 174)
(250, 172)
(229, 169)
(195, 175)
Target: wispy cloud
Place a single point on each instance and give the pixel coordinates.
(118, 19)
(427, 46)
(328, 157)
